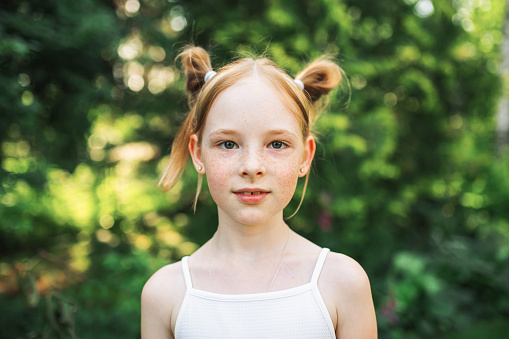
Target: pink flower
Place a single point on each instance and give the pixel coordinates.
(325, 221)
(388, 311)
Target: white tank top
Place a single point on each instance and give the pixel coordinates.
(294, 313)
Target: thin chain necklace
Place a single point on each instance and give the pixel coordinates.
(273, 278)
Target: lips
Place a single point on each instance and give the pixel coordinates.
(251, 195)
(249, 191)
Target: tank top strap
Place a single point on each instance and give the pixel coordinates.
(187, 274)
(319, 265)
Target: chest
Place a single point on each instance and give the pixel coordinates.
(293, 313)
(238, 278)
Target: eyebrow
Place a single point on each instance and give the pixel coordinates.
(223, 132)
(233, 132)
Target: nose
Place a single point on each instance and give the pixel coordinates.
(252, 163)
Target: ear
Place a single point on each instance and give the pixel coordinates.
(195, 151)
(309, 154)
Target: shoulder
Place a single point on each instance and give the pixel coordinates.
(164, 280)
(346, 287)
(343, 271)
(161, 298)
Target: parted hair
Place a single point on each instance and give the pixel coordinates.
(319, 78)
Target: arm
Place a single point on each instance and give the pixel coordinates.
(351, 296)
(356, 313)
(162, 293)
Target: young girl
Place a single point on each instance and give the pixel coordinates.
(250, 132)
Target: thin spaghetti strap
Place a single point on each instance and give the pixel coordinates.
(185, 270)
(319, 265)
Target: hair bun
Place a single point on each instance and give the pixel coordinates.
(320, 77)
(196, 64)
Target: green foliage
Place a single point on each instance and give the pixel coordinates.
(406, 180)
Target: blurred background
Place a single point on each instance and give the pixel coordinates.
(411, 176)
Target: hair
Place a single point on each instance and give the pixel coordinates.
(319, 78)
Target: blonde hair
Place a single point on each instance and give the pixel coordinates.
(319, 78)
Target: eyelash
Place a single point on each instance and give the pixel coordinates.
(283, 144)
(222, 144)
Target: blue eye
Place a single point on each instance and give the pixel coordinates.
(228, 145)
(277, 144)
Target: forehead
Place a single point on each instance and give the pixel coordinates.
(251, 104)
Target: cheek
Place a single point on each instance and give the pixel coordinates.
(218, 175)
(286, 172)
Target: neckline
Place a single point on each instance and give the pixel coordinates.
(259, 295)
(253, 296)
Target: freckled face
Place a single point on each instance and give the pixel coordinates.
(251, 141)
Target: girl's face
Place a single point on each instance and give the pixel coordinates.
(252, 152)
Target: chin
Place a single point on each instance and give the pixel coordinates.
(252, 218)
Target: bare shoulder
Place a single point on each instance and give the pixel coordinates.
(164, 280)
(346, 290)
(161, 298)
(342, 271)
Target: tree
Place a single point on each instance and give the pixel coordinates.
(406, 180)
(503, 109)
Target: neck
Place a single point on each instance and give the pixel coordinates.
(250, 242)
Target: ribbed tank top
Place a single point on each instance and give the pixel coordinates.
(297, 312)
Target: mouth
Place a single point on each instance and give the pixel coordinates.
(251, 196)
(251, 191)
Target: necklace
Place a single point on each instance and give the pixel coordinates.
(273, 278)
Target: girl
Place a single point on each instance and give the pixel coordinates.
(249, 132)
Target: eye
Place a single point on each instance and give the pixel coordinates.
(278, 144)
(228, 145)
